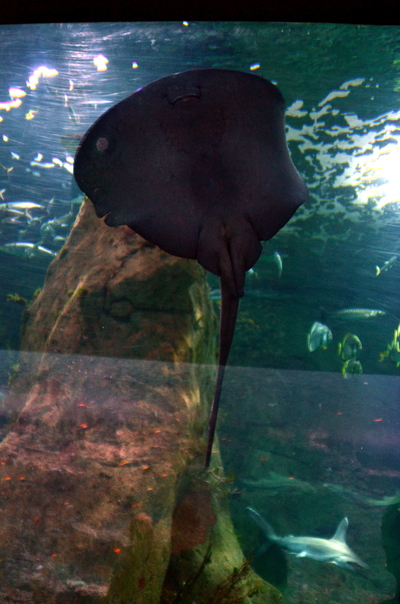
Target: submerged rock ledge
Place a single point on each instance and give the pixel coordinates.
(103, 493)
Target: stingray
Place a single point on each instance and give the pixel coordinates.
(197, 164)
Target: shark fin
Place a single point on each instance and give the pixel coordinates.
(344, 565)
(341, 531)
(302, 554)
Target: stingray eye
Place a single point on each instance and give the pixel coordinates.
(101, 144)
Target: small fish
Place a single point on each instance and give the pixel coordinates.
(42, 164)
(20, 205)
(26, 249)
(385, 266)
(96, 102)
(252, 274)
(2, 194)
(15, 219)
(62, 222)
(363, 500)
(8, 170)
(278, 261)
(393, 349)
(276, 482)
(356, 314)
(319, 336)
(269, 294)
(350, 347)
(215, 294)
(274, 258)
(20, 248)
(45, 250)
(394, 356)
(352, 366)
(73, 116)
(334, 550)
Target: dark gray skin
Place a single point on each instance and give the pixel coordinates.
(197, 164)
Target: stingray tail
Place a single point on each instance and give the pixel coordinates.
(229, 310)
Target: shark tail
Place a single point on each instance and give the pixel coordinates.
(263, 525)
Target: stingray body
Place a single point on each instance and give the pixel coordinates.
(197, 164)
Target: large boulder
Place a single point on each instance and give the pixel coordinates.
(104, 497)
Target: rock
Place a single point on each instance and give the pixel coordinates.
(104, 495)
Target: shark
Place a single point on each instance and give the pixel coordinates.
(277, 483)
(334, 550)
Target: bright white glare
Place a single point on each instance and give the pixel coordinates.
(100, 61)
(16, 93)
(379, 174)
(44, 71)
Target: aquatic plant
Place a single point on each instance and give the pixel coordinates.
(16, 298)
(12, 374)
(220, 484)
(239, 584)
(186, 587)
(235, 587)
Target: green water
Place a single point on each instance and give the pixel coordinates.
(341, 85)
